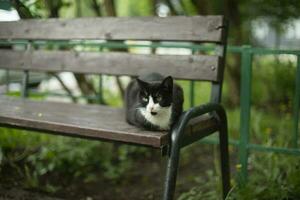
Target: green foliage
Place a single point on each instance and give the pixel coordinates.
(75, 158)
(204, 190)
(272, 176)
(1, 157)
(279, 11)
(273, 81)
(189, 7)
(134, 8)
(201, 93)
(269, 129)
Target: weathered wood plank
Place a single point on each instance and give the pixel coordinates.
(86, 121)
(179, 28)
(190, 67)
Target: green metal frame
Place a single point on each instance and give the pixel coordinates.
(245, 110)
(247, 53)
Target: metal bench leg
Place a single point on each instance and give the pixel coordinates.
(171, 174)
(225, 170)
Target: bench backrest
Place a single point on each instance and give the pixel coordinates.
(199, 29)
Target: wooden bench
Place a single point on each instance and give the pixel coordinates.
(105, 123)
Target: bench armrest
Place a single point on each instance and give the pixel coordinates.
(216, 109)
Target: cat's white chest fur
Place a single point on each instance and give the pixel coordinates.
(163, 117)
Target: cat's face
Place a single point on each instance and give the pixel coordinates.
(156, 97)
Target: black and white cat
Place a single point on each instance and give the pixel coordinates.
(153, 102)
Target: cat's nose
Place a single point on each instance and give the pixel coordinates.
(152, 111)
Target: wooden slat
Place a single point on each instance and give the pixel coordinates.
(180, 28)
(87, 121)
(191, 67)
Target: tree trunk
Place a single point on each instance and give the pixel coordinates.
(232, 12)
(96, 7)
(202, 6)
(53, 7)
(109, 6)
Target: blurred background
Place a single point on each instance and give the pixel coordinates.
(268, 31)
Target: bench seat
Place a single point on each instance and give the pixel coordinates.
(87, 121)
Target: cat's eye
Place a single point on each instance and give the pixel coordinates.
(145, 99)
(158, 98)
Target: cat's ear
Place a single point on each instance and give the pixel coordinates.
(142, 84)
(168, 83)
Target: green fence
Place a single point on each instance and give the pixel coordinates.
(246, 53)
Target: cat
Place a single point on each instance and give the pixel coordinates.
(153, 102)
